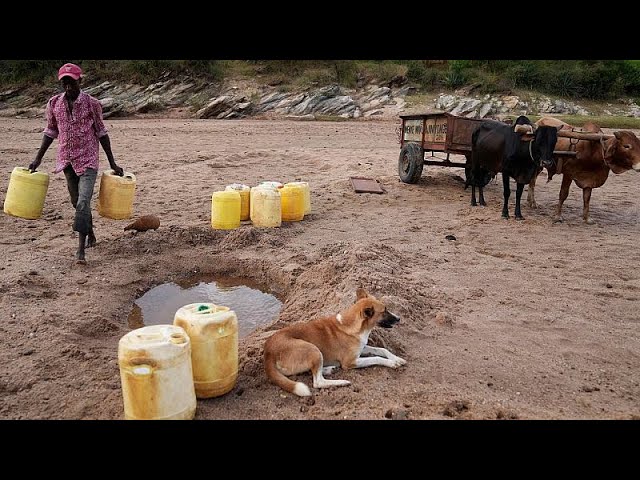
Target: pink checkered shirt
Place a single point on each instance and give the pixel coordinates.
(77, 133)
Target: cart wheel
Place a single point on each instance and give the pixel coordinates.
(410, 163)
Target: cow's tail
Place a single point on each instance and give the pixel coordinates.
(468, 170)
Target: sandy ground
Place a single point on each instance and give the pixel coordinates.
(512, 320)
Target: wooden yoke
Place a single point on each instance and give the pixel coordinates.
(566, 133)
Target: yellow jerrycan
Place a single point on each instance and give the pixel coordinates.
(26, 193)
(115, 199)
(307, 194)
(245, 191)
(156, 374)
(265, 207)
(213, 330)
(292, 203)
(225, 209)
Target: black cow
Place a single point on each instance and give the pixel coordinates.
(496, 147)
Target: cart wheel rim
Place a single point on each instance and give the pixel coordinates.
(405, 164)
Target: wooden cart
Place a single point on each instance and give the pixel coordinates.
(433, 132)
(423, 135)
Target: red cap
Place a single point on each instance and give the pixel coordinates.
(70, 70)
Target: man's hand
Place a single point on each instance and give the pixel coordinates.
(33, 166)
(117, 170)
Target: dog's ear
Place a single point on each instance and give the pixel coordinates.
(369, 311)
(361, 293)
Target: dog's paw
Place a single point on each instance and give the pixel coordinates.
(323, 383)
(329, 370)
(398, 362)
(339, 383)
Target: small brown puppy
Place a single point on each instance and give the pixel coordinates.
(321, 344)
(144, 223)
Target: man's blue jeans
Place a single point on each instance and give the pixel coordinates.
(81, 190)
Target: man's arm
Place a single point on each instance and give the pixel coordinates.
(46, 142)
(103, 136)
(106, 146)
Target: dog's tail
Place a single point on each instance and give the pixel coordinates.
(276, 377)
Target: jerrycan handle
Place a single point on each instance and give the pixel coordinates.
(128, 176)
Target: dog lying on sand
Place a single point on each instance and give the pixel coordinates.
(322, 344)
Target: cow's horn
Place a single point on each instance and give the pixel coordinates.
(523, 129)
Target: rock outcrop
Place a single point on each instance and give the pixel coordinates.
(242, 99)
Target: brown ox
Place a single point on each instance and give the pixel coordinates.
(590, 167)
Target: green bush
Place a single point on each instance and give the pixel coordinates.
(492, 83)
(522, 75)
(454, 79)
(592, 79)
(28, 71)
(24, 72)
(345, 73)
(381, 71)
(459, 65)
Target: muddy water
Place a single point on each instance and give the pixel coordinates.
(251, 303)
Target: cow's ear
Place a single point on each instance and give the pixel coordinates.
(361, 293)
(610, 149)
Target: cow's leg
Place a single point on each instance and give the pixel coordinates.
(531, 199)
(586, 198)
(507, 192)
(564, 193)
(481, 200)
(473, 196)
(519, 190)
